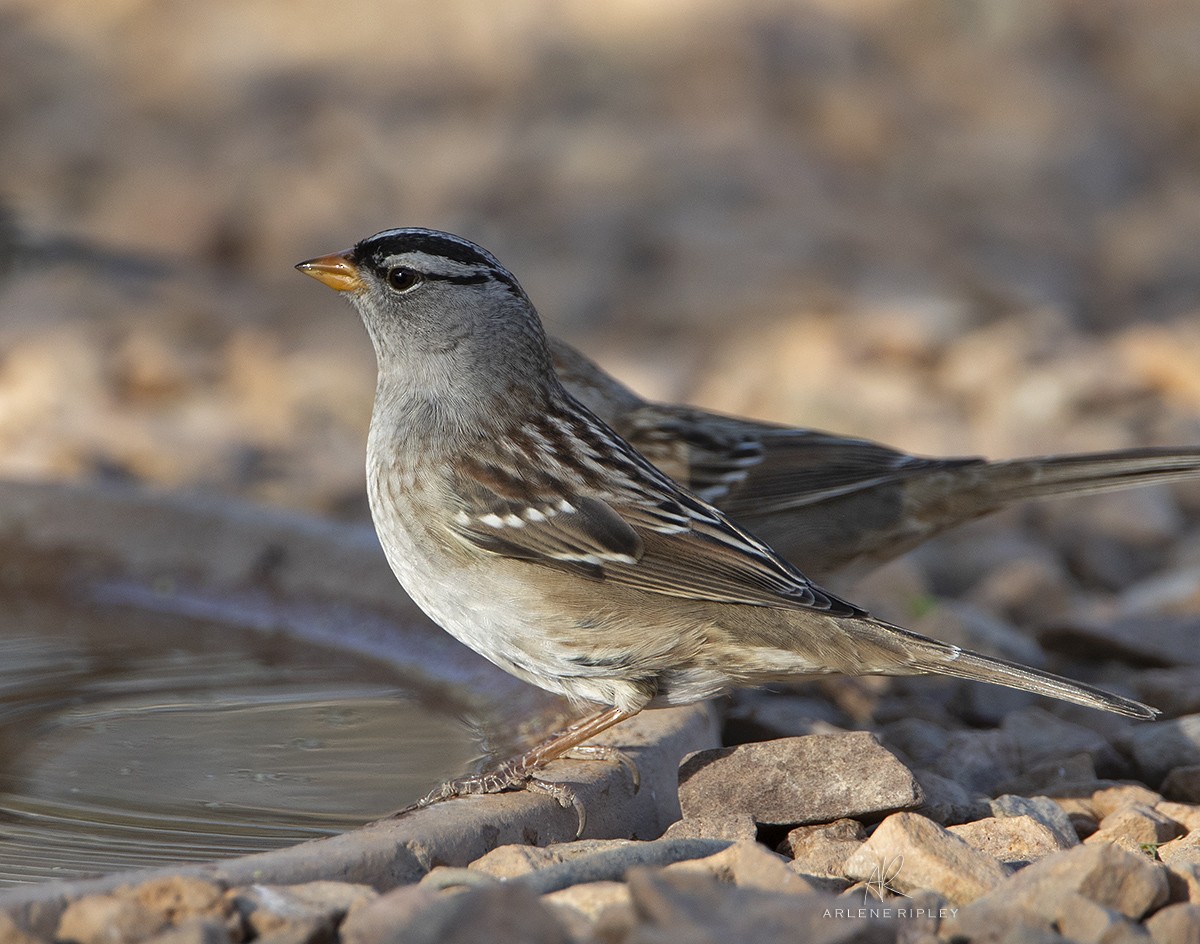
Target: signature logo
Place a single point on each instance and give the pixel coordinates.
(879, 882)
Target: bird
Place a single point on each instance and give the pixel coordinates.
(839, 505)
(531, 531)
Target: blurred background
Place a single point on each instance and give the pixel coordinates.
(954, 226)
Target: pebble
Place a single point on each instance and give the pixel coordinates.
(913, 852)
(773, 781)
(1014, 840)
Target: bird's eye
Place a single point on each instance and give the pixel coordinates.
(402, 279)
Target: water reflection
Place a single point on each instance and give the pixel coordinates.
(130, 738)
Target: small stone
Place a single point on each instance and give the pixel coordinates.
(375, 922)
(762, 716)
(1183, 880)
(1186, 815)
(945, 801)
(199, 931)
(1145, 640)
(1079, 919)
(589, 899)
(793, 781)
(1040, 736)
(1135, 828)
(499, 913)
(1185, 849)
(714, 826)
(823, 850)
(513, 860)
(911, 852)
(1051, 776)
(269, 908)
(749, 864)
(1183, 784)
(978, 761)
(676, 906)
(915, 740)
(1160, 748)
(1111, 799)
(1014, 840)
(1105, 874)
(11, 934)
(108, 919)
(1175, 924)
(181, 897)
(1043, 809)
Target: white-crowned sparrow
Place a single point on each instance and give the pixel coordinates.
(838, 505)
(529, 530)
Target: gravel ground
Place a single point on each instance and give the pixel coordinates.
(957, 228)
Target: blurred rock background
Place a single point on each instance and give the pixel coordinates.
(955, 226)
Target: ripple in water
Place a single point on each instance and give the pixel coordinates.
(131, 739)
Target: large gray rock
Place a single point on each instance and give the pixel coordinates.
(793, 781)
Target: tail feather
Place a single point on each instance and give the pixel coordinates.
(929, 655)
(1020, 479)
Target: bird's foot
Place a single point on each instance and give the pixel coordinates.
(520, 772)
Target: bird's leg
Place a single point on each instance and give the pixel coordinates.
(520, 770)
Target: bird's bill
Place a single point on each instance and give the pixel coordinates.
(337, 270)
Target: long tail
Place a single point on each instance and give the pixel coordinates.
(929, 655)
(1019, 479)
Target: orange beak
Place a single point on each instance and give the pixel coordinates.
(337, 270)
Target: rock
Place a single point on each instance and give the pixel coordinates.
(181, 897)
(978, 761)
(375, 922)
(913, 852)
(502, 912)
(1050, 776)
(1109, 800)
(1160, 748)
(1041, 736)
(513, 860)
(1144, 640)
(1186, 815)
(823, 850)
(714, 826)
(793, 781)
(915, 740)
(210, 931)
(1079, 919)
(1014, 840)
(1043, 809)
(1183, 784)
(108, 919)
(268, 909)
(749, 864)
(1135, 828)
(1183, 881)
(945, 801)
(676, 907)
(11, 934)
(1129, 884)
(1185, 849)
(1175, 691)
(581, 905)
(1175, 924)
(762, 716)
